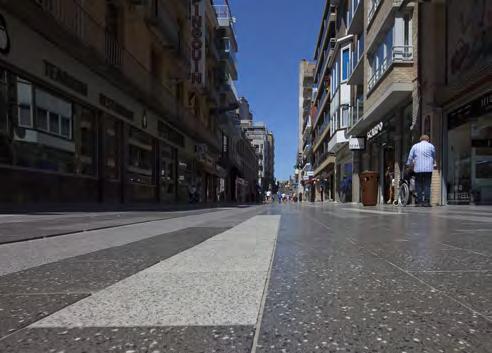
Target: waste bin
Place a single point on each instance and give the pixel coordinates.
(369, 183)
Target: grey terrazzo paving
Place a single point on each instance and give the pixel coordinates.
(369, 284)
(232, 339)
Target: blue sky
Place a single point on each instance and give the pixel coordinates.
(273, 36)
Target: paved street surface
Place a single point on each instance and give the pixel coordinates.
(272, 278)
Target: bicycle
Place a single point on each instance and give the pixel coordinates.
(403, 197)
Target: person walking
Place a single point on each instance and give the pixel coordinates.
(422, 158)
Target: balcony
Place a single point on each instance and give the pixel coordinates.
(70, 26)
(329, 25)
(308, 148)
(372, 10)
(356, 24)
(306, 134)
(163, 24)
(356, 112)
(225, 19)
(323, 161)
(399, 54)
(228, 55)
(321, 134)
(337, 140)
(328, 53)
(356, 76)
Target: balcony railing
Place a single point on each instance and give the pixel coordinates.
(356, 112)
(372, 10)
(95, 45)
(70, 15)
(353, 9)
(320, 159)
(402, 54)
(320, 131)
(224, 16)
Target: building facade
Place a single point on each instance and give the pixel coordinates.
(388, 71)
(262, 141)
(304, 167)
(384, 88)
(455, 78)
(124, 101)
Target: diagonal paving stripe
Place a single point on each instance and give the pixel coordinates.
(217, 283)
(20, 256)
(32, 294)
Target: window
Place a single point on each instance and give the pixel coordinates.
(24, 103)
(53, 114)
(41, 119)
(345, 63)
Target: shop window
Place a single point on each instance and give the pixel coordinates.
(140, 157)
(24, 103)
(168, 170)
(112, 141)
(86, 138)
(53, 114)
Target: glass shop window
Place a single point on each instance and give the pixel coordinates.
(53, 114)
(112, 142)
(141, 157)
(24, 103)
(86, 137)
(168, 169)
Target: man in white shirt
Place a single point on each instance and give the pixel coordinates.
(423, 158)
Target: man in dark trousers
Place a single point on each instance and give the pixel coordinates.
(422, 157)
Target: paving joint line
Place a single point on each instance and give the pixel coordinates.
(463, 249)
(265, 294)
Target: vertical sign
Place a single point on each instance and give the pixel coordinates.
(198, 43)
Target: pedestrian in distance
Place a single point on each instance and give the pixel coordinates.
(422, 159)
(279, 195)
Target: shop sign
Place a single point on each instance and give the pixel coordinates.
(376, 130)
(475, 108)
(310, 173)
(116, 107)
(198, 43)
(61, 76)
(4, 36)
(357, 143)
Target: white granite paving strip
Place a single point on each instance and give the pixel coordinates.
(219, 282)
(20, 256)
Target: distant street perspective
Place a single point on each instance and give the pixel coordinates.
(245, 176)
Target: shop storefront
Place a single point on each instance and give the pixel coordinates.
(469, 153)
(67, 135)
(344, 169)
(380, 155)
